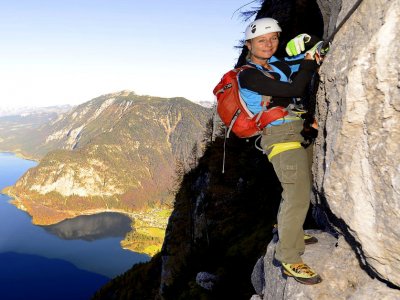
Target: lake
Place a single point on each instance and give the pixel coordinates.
(90, 244)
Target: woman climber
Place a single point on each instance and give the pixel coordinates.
(284, 81)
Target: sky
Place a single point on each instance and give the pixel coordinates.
(55, 52)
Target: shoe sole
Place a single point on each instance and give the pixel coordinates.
(310, 242)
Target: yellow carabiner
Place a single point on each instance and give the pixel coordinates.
(281, 147)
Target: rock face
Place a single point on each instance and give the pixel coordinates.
(356, 166)
(337, 264)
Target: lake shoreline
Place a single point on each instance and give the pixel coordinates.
(20, 155)
(18, 234)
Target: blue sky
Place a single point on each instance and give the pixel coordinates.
(68, 51)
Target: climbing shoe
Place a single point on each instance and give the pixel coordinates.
(301, 273)
(309, 239)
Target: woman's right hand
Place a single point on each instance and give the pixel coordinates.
(315, 52)
(316, 57)
(308, 56)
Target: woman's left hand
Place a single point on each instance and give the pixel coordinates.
(296, 46)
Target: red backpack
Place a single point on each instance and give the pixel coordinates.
(233, 110)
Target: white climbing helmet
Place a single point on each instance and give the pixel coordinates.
(260, 27)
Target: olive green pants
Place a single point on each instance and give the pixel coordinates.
(293, 170)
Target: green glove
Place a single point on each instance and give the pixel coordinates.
(296, 45)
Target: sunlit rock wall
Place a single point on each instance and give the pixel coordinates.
(357, 166)
(335, 261)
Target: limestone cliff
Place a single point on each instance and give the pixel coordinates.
(357, 153)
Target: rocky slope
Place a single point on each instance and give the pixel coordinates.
(118, 153)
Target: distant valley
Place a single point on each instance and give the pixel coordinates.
(23, 130)
(7, 110)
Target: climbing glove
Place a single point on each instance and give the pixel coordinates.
(296, 46)
(319, 50)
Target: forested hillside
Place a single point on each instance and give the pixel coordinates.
(221, 224)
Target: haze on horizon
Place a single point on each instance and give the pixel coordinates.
(70, 51)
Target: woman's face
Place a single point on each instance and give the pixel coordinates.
(263, 46)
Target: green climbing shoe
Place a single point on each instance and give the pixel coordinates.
(301, 273)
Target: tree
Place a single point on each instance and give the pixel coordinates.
(194, 156)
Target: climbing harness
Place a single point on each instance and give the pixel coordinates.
(294, 114)
(282, 147)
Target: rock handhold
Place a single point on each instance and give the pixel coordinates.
(206, 280)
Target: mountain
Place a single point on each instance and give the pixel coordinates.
(208, 104)
(117, 152)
